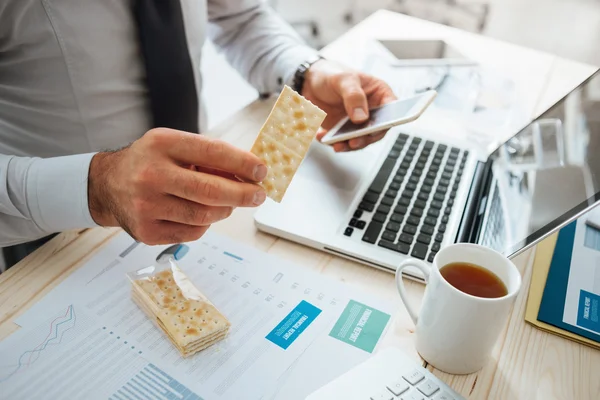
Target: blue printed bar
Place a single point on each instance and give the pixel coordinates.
(151, 382)
(233, 256)
(290, 328)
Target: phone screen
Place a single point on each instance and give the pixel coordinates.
(381, 115)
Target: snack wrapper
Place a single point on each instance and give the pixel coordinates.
(168, 297)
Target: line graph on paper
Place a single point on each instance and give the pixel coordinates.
(57, 333)
(73, 356)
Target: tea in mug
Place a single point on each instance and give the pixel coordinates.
(474, 280)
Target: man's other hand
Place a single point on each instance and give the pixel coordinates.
(341, 92)
(170, 186)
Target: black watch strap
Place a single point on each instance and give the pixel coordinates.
(300, 75)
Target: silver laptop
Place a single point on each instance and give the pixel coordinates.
(417, 190)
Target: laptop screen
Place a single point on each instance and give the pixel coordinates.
(547, 174)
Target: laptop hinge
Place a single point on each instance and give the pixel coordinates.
(470, 224)
(373, 264)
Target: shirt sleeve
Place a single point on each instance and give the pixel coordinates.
(40, 196)
(257, 42)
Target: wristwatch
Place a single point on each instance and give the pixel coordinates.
(300, 75)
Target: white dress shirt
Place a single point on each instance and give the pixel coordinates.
(72, 84)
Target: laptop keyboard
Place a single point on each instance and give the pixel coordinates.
(409, 212)
(495, 228)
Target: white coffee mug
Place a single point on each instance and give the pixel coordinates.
(455, 331)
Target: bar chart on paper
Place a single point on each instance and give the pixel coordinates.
(70, 356)
(152, 382)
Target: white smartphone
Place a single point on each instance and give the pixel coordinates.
(381, 118)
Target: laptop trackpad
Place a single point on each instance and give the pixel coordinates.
(341, 170)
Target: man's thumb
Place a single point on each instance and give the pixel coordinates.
(354, 98)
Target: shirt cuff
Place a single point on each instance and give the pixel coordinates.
(289, 62)
(57, 191)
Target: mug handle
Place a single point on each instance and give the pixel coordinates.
(426, 269)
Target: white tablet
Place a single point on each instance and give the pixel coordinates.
(424, 53)
(381, 118)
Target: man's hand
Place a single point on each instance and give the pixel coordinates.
(170, 186)
(341, 92)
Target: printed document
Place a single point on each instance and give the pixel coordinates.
(571, 298)
(292, 330)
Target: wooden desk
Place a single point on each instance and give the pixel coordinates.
(527, 363)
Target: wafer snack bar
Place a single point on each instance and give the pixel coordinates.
(190, 321)
(285, 138)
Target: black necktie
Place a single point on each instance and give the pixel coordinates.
(169, 71)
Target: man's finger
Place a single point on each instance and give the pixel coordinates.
(200, 150)
(217, 172)
(354, 98)
(212, 190)
(357, 143)
(388, 97)
(341, 147)
(187, 212)
(361, 142)
(374, 138)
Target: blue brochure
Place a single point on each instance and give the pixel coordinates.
(571, 299)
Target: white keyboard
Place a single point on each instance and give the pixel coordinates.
(388, 375)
